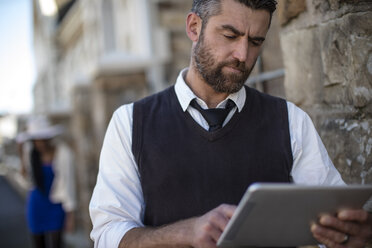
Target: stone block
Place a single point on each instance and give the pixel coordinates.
(346, 49)
(349, 144)
(304, 72)
(290, 9)
(336, 4)
(335, 53)
(337, 94)
(320, 5)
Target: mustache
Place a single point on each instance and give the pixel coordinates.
(236, 64)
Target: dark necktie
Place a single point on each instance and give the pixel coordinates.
(215, 116)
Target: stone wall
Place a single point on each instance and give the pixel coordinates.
(327, 50)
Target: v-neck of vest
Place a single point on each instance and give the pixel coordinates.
(214, 135)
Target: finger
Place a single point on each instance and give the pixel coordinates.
(359, 215)
(219, 220)
(327, 242)
(329, 234)
(227, 210)
(213, 233)
(355, 243)
(210, 244)
(341, 226)
(205, 234)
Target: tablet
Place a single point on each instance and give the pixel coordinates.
(279, 215)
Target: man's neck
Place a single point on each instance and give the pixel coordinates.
(202, 90)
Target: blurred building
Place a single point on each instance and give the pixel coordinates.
(96, 55)
(10, 125)
(8, 148)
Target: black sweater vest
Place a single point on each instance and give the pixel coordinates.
(186, 171)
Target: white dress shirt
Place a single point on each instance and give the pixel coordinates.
(117, 203)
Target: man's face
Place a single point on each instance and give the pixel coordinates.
(228, 46)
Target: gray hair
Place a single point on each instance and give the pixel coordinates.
(207, 8)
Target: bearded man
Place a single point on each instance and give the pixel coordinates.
(174, 165)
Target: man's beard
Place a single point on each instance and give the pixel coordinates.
(211, 71)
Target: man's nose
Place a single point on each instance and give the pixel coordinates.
(241, 51)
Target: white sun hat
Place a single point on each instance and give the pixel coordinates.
(39, 127)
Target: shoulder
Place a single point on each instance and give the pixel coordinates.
(123, 116)
(260, 96)
(294, 112)
(266, 105)
(161, 96)
(296, 115)
(294, 109)
(154, 105)
(121, 122)
(123, 113)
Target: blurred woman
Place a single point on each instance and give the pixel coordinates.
(49, 165)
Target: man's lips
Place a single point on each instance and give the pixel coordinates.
(236, 69)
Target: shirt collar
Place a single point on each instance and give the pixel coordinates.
(185, 94)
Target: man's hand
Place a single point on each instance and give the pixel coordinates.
(197, 232)
(208, 228)
(351, 228)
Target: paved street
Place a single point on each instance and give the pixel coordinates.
(13, 229)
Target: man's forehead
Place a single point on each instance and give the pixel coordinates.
(241, 17)
(235, 7)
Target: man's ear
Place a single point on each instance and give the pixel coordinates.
(193, 26)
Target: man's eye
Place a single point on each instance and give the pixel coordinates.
(255, 43)
(230, 37)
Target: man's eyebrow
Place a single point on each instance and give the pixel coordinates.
(232, 29)
(239, 33)
(257, 38)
